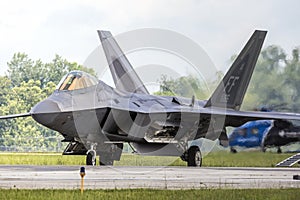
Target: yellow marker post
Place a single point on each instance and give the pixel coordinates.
(82, 174)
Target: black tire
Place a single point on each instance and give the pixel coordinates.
(263, 146)
(233, 150)
(89, 159)
(194, 157)
(279, 150)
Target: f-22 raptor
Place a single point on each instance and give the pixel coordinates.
(97, 119)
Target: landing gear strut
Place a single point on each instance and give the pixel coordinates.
(233, 150)
(279, 150)
(91, 155)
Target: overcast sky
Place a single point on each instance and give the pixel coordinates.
(42, 29)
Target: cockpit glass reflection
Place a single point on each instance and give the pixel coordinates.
(77, 80)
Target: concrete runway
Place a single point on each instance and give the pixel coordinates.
(67, 177)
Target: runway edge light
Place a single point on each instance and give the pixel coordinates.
(82, 174)
(296, 177)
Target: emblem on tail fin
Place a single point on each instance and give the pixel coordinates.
(231, 91)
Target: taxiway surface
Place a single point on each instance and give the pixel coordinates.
(67, 177)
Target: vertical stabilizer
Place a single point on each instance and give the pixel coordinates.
(125, 77)
(231, 91)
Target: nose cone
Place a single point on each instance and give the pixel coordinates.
(46, 106)
(45, 112)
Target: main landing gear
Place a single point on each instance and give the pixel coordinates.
(193, 157)
(103, 160)
(108, 157)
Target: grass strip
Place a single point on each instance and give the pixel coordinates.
(214, 159)
(273, 194)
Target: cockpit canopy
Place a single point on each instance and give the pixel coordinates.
(75, 80)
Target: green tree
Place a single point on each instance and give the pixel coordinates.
(292, 80)
(5, 88)
(22, 69)
(185, 86)
(25, 133)
(59, 67)
(267, 83)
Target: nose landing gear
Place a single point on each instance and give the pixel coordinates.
(91, 155)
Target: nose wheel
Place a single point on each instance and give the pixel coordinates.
(91, 156)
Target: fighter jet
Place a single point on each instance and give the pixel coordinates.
(97, 119)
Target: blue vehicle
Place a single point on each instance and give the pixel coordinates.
(263, 134)
(249, 135)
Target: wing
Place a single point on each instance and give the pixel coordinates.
(15, 116)
(237, 118)
(125, 77)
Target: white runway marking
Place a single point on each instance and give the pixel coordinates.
(67, 177)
